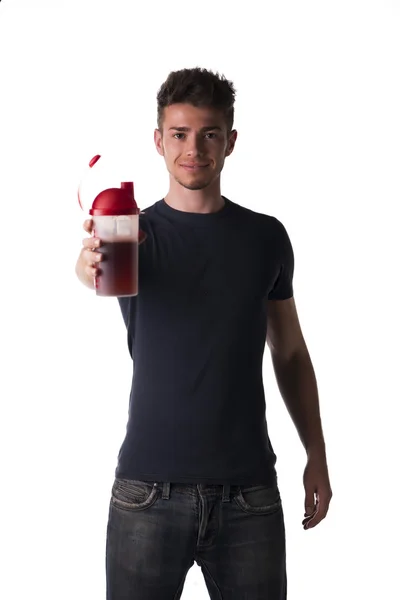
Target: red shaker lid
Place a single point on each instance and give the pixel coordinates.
(113, 201)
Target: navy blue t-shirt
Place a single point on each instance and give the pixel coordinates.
(196, 334)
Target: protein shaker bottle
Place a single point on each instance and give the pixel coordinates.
(116, 223)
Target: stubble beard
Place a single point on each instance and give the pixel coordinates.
(193, 186)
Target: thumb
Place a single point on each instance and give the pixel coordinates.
(88, 225)
(142, 236)
(309, 504)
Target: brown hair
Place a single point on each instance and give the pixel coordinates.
(199, 87)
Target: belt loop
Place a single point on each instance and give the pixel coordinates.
(166, 491)
(226, 493)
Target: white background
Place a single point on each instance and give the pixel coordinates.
(317, 112)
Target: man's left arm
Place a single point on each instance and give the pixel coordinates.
(298, 386)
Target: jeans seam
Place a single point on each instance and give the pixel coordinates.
(259, 510)
(135, 507)
(210, 576)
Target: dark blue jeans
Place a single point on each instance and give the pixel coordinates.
(156, 531)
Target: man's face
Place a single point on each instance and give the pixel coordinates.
(194, 143)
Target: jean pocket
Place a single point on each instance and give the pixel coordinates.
(259, 499)
(131, 494)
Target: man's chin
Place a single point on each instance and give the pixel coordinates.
(194, 185)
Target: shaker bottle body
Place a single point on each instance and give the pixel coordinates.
(118, 269)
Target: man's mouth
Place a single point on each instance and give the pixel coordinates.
(194, 166)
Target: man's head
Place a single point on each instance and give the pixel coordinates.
(195, 119)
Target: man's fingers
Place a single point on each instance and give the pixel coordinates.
(320, 513)
(91, 271)
(310, 518)
(92, 258)
(91, 242)
(309, 502)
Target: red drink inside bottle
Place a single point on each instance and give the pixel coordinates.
(118, 269)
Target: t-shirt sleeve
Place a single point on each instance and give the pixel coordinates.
(283, 285)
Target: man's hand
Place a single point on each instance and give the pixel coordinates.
(89, 258)
(318, 490)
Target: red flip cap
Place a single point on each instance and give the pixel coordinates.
(113, 201)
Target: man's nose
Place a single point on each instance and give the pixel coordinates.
(195, 146)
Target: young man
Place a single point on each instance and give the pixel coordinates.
(196, 478)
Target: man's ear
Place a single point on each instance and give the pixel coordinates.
(158, 141)
(231, 142)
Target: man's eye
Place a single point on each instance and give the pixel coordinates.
(180, 136)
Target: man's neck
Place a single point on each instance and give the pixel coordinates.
(204, 201)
